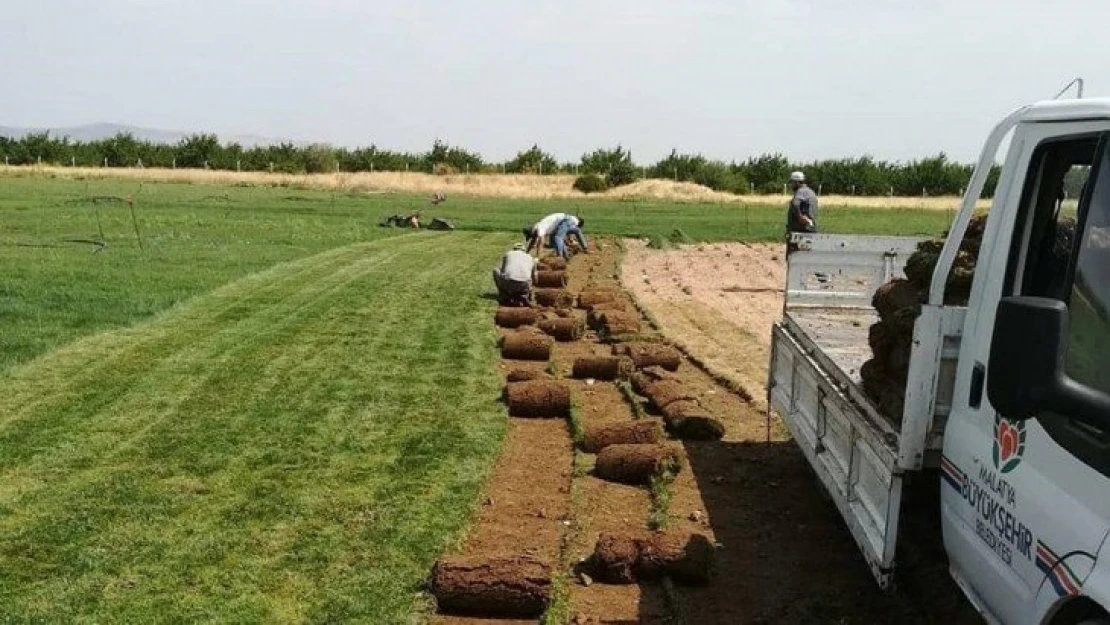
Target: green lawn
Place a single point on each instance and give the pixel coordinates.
(298, 445)
(272, 411)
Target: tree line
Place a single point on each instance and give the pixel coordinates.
(935, 175)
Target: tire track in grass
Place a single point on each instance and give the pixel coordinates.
(297, 445)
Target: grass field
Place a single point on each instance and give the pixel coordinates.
(273, 410)
(295, 446)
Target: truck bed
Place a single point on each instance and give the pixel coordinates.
(859, 454)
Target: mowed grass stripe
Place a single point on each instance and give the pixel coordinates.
(296, 446)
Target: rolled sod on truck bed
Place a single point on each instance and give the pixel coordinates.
(641, 432)
(898, 303)
(507, 586)
(509, 317)
(601, 368)
(592, 297)
(615, 323)
(551, 279)
(636, 464)
(554, 298)
(553, 263)
(526, 346)
(626, 558)
(650, 355)
(538, 398)
(562, 329)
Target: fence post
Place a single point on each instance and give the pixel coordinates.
(40, 159)
(923, 193)
(819, 187)
(271, 167)
(73, 161)
(105, 161)
(206, 164)
(406, 165)
(468, 169)
(676, 174)
(891, 190)
(371, 166)
(541, 168)
(173, 163)
(5, 160)
(853, 189)
(139, 163)
(751, 188)
(238, 165)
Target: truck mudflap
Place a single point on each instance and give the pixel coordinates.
(858, 468)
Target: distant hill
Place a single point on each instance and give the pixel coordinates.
(95, 132)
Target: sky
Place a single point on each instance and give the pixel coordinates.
(895, 79)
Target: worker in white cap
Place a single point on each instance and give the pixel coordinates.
(801, 216)
(514, 277)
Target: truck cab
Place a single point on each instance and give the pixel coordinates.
(1008, 398)
(1026, 461)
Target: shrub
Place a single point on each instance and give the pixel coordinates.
(590, 183)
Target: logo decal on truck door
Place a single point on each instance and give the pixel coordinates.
(1009, 443)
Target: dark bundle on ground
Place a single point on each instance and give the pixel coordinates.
(592, 297)
(553, 263)
(510, 317)
(513, 586)
(562, 329)
(538, 398)
(628, 558)
(644, 431)
(554, 298)
(551, 279)
(619, 323)
(526, 346)
(524, 375)
(687, 420)
(636, 464)
(664, 392)
(650, 355)
(559, 313)
(601, 368)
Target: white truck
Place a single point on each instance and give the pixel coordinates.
(1008, 398)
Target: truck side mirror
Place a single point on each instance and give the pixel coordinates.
(1026, 374)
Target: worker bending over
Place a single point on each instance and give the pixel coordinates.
(571, 226)
(538, 234)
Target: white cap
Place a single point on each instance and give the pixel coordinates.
(797, 177)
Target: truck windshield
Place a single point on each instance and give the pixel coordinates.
(1088, 360)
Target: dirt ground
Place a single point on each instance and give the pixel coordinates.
(785, 555)
(782, 552)
(716, 300)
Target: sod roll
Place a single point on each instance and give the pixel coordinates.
(509, 317)
(523, 375)
(615, 556)
(538, 398)
(592, 297)
(554, 298)
(686, 558)
(615, 323)
(551, 279)
(514, 586)
(636, 464)
(650, 355)
(553, 263)
(629, 557)
(562, 329)
(597, 311)
(601, 368)
(663, 392)
(641, 432)
(526, 346)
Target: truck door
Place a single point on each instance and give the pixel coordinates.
(1026, 504)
